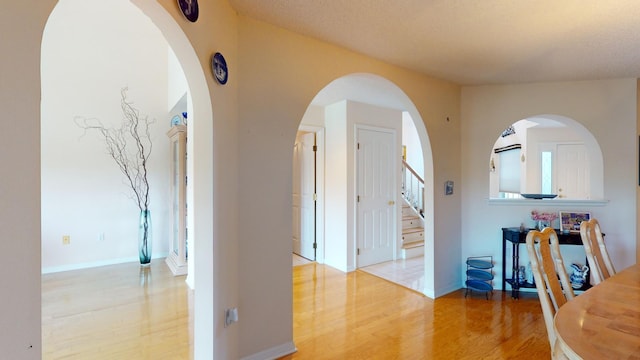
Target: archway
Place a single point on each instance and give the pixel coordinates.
(377, 91)
(200, 169)
(532, 137)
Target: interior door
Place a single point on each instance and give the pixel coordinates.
(297, 154)
(573, 172)
(304, 182)
(376, 195)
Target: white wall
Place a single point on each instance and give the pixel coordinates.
(91, 49)
(411, 140)
(607, 108)
(314, 116)
(338, 219)
(177, 86)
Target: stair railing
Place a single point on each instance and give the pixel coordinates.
(413, 188)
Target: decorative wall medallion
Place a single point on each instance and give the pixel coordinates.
(219, 68)
(189, 9)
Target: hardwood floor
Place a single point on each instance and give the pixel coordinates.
(123, 312)
(360, 316)
(117, 312)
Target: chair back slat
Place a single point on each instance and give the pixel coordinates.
(597, 255)
(552, 281)
(550, 276)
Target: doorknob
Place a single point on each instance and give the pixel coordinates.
(391, 202)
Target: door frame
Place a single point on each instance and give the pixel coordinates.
(320, 166)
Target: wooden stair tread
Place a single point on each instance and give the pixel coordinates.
(411, 218)
(413, 244)
(412, 230)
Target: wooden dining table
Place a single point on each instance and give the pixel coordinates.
(604, 321)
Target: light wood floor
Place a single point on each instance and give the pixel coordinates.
(360, 316)
(121, 312)
(117, 312)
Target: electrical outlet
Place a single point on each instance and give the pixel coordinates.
(66, 240)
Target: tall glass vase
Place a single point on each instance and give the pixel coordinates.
(145, 240)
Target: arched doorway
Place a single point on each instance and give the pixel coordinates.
(376, 91)
(200, 170)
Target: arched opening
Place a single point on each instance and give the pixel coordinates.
(199, 169)
(335, 115)
(83, 192)
(548, 156)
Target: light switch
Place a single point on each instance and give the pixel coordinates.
(231, 316)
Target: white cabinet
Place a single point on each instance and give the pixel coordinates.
(177, 258)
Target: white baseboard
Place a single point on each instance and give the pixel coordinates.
(176, 269)
(273, 353)
(445, 290)
(68, 267)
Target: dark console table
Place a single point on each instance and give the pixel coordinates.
(516, 237)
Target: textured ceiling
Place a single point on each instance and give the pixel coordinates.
(474, 42)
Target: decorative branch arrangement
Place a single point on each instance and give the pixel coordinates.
(129, 145)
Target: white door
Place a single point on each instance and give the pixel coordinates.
(573, 172)
(376, 195)
(303, 196)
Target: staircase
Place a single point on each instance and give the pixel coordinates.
(412, 213)
(412, 232)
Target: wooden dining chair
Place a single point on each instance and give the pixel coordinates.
(597, 255)
(550, 275)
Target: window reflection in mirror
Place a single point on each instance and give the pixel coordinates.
(542, 155)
